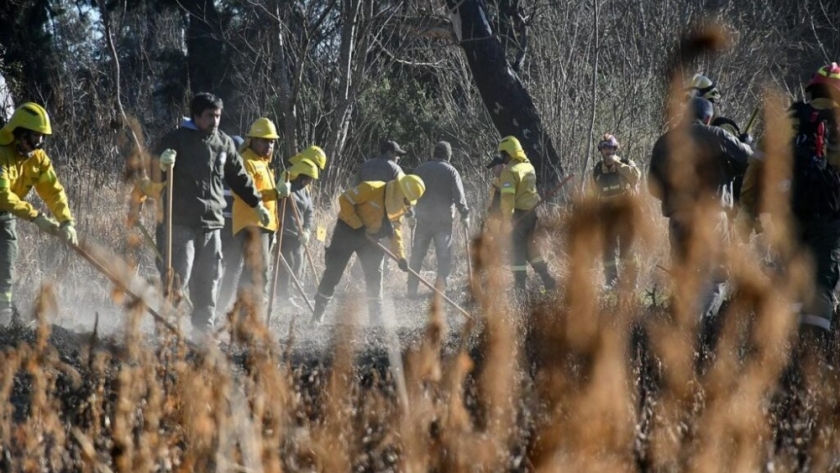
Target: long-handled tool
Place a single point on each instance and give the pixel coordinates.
(277, 257)
(299, 223)
(420, 278)
(297, 283)
(469, 254)
(170, 187)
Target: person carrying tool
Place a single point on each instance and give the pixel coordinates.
(231, 246)
(814, 195)
(206, 158)
(24, 165)
(297, 226)
(371, 209)
(434, 214)
(517, 199)
(614, 180)
(385, 167)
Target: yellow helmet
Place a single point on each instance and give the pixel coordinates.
(512, 147)
(30, 116)
(703, 87)
(263, 128)
(304, 167)
(412, 187)
(314, 154)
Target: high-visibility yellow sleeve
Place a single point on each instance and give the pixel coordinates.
(347, 203)
(397, 244)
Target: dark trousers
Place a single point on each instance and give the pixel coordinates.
(292, 250)
(231, 266)
(821, 240)
(524, 251)
(8, 256)
(619, 235)
(345, 242)
(197, 267)
(425, 233)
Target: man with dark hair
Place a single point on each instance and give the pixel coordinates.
(207, 158)
(434, 214)
(383, 168)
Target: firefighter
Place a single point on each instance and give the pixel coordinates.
(434, 214)
(373, 209)
(206, 157)
(24, 165)
(518, 197)
(614, 180)
(703, 87)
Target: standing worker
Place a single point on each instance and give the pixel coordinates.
(518, 197)
(434, 214)
(372, 209)
(385, 167)
(615, 179)
(230, 248)
(24, 165)
(206, 157)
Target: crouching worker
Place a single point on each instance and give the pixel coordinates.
(24, 165)
(375, 209)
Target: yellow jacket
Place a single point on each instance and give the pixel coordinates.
(518, 185)
(366, 205)
(18, 175)
(243, 215)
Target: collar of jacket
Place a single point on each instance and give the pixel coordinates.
(394, 199)
(249, 154)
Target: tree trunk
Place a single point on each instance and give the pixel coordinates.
(205, 60)
(510, 106)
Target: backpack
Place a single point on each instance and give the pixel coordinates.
(815, 183)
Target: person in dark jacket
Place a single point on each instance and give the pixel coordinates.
(694, 167)
(434, 214)
(206, 157)
(383, 168)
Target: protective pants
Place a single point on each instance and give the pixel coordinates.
(345, 242)
(254, 245)
(821, 240)
(8, 256)
(619, 236)
(292, 250)
(231, 267)
(524, 251)
(197, 264)
(424, 234)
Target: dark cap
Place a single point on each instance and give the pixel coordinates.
(498, 159)
(387, 146)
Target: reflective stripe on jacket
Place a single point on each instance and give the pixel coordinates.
(518, 185)
(19, 174)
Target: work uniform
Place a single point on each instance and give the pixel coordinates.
(709, 160)
(378, 169)
(518, 196)
(434, 213)
(371, 208)
(613, 185)
(818, 235)
(292, 246)
(204, 162)
(18, 175)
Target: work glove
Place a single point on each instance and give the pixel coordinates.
(403, 264)
(167, 159)
(747, 138)
(263, 214)
(305, 236)
(46, 224)
(67, 232)
(284, 189)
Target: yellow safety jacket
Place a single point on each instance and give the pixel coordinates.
(19, 174)
(243, 215)
(518, 185)
(366, 205)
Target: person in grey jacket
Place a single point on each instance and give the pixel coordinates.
(384, 167)
(296, 234)
(206, 158)
(434, 214)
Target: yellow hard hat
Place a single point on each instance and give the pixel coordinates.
(412, 187)
(30, 116)
(305, 167)
(263, 128)
(512, 147)
(314, 154)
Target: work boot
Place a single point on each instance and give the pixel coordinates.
(320, 307)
